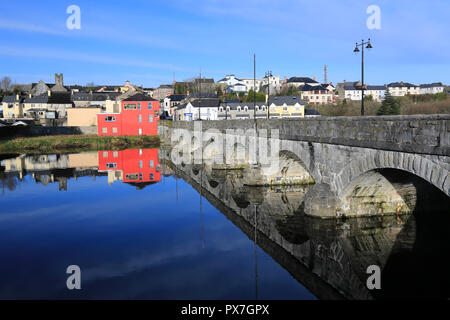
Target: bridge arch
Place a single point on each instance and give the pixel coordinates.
(415, 164)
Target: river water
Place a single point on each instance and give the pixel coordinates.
(141, 228)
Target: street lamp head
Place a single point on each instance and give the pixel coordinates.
(369, 46)
(356, 49)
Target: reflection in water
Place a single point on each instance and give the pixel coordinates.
(147, 244)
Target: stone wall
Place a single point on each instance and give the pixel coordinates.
(426, 134)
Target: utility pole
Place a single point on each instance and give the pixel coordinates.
(268, 75)
(254, 86)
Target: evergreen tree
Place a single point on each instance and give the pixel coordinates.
(389, 106)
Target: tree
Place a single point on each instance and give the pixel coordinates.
(252, 96)
(6, 84)
(389, 106)
(90, 86)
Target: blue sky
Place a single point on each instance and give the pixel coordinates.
(147, 42)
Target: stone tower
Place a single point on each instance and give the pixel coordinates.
(59, 83)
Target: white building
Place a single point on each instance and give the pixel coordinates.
(432, 88)
(352, 91)
(301, 81)
(205, 109)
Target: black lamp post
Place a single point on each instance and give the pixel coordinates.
(367, 46)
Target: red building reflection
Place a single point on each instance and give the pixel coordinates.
(138, 167)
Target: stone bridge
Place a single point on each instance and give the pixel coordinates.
(328, 256)
(356, 165)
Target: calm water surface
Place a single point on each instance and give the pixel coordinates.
(131, 240)
(141, 228)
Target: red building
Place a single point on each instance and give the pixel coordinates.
(138, 116)
(138, 167)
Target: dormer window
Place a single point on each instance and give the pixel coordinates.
(238, 108)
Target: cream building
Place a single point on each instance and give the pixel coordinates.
(286, 107)
(400, 89)
(12, 106)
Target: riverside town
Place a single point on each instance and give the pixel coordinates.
(225, 152)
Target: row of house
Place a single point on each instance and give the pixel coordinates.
(352, 90)
(137, 167)
(212, 109)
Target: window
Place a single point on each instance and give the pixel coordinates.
(151, 176)
(238, 108)
(129, 106)
(111, 165)
(105, 154)
(151, 164)
(140, 176)
(131, 176)
(139, 106)
(140, 164)
(114, 130)
(285, 108)
(150, 106)
(158, 168)
(245, 108)
(110, 118)
(115, 154)
(104, 130)
(139, 118)
(150, 118)
(156, 113)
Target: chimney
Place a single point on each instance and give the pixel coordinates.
(314, 78)
(17, 96)
(29, 95)
(49, 93)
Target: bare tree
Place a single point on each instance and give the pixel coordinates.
(6, 84)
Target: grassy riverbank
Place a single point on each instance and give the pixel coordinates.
(68, 143)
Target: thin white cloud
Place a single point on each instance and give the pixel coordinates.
(83, 57)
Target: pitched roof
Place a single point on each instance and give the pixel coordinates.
(54, 98)
(235, 105)
(207, 95)
(307, 87)
(431, 85)
(94, 96)
(177, 97)
(401, 84)
(375, 87)
(301, 79)
(288, 100)
(208, 103)
(12, 98)
(139, 97)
